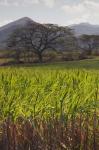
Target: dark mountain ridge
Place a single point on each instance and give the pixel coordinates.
(8, 29)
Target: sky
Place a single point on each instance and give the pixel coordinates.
(62, 12)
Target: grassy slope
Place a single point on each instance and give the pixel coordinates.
(82, 64)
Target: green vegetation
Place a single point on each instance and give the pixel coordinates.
(78, 64)
(56, 107)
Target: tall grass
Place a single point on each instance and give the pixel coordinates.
(42, 109)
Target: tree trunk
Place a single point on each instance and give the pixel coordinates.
(90, 50)
(40, 57)
(17, 57)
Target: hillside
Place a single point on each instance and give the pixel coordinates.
(8, 29)
(85, 28)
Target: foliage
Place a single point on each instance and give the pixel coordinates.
(89, 43)
(37, 38)
(44, 100)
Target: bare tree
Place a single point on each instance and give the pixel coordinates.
(37, 38)
(14, 44)
(89, 43)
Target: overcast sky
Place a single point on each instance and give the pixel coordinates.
(62, 12)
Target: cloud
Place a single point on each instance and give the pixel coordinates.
(70, 11)
(29, 2)
(49, 3)
(84, 11)
(18, 2)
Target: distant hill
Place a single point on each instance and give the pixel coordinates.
(85, 28)
(8, 29)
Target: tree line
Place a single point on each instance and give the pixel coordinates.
(36, 39)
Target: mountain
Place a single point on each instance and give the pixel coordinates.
(85, 28)
(78, 29)
(8, 29)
